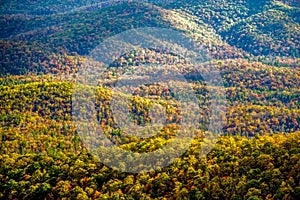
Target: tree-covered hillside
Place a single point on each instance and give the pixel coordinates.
(252, 44)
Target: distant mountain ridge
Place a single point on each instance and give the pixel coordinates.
(229, 29)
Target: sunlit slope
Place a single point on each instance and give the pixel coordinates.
(245, 24)
(93, 26)
(255, 95)
(258, 27)
(42, 155)
(230, 30)
(81, 31)
(30, 43)
(275, 31)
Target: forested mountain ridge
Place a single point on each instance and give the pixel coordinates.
(232, 28)
(253, 44)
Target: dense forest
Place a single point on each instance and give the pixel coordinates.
(254, 46)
